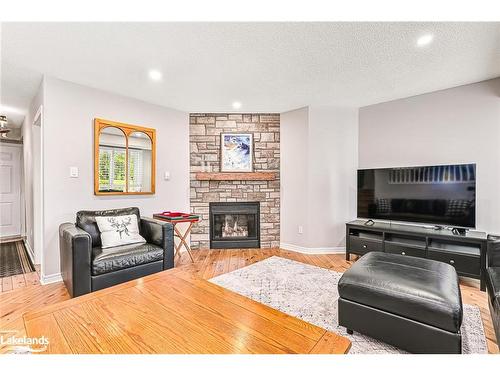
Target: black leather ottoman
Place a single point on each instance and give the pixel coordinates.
(411, 303)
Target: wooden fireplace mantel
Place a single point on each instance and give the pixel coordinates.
(236, 176)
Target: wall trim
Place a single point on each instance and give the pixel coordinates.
(49, 279)
(39, 248)
(31, 253)
(313, 250)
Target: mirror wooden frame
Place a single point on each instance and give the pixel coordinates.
(127, 129)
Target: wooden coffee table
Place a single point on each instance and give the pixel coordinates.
(174, 312)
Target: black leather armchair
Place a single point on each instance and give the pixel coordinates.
(493, 281)
(86, 267)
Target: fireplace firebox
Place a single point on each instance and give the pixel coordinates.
(234, 225)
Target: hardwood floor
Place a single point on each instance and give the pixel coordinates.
(209, 263)
(20, 281)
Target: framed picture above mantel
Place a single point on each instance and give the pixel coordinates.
(236, 152)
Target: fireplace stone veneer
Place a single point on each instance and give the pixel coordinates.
(204, 140)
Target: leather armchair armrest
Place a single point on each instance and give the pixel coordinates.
(75, 246)
(161, 234)
(493, 250)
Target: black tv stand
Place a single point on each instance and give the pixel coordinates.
(465, 251)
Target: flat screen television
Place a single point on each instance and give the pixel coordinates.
(437, 194)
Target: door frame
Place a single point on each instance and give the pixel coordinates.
(38, 120)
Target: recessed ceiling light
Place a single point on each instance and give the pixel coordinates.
(425, 40)
(236, 105)
(155, 75)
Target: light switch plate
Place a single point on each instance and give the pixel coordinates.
(166, 176)
(73, 172)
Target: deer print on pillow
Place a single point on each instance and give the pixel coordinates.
(119, 230)
(122, 226)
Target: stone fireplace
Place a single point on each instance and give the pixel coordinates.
(208, 185)
(234, 225)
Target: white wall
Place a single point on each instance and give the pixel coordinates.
(294, 128)
(31, 173)
(318, 176)
(333, 161)
(458, 125)
(69, 111)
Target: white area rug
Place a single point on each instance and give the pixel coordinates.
(310, 293)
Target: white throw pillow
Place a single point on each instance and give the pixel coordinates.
(119, 230)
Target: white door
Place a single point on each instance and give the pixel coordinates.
(10, 190)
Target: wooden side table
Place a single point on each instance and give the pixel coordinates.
(182, 236)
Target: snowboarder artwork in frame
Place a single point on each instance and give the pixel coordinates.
(236, 152)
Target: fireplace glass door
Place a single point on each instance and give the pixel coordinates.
(234, 225)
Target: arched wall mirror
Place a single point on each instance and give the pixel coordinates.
(124, 158)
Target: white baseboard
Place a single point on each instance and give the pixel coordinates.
(312, 250)
(31, 253)
(49, 279)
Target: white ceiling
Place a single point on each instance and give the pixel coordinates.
(268, 67)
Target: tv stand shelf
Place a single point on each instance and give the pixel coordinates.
(467, 252)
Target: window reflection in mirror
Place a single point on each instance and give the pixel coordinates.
(139, 162)
(112, 171)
